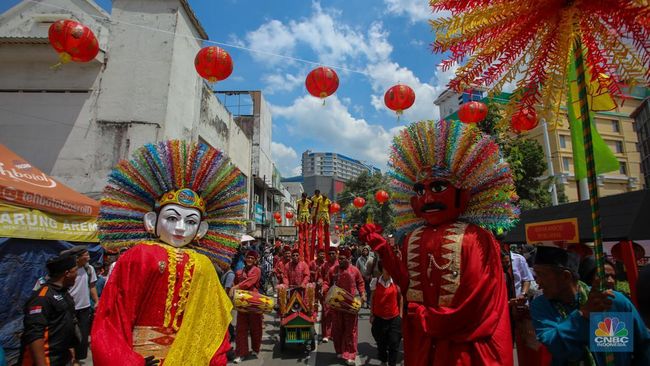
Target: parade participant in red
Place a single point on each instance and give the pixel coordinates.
(248, 279)
(279, 265)
(345, 325)
(327, 315)
(297, 271)
(315, 266)
(164, 302)
(450, 185)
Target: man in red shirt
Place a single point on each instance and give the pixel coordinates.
(296, 271)
(248, 279)
(385, 318)
(327, 315)
(315, 266)
(279, 265)
(345, 325)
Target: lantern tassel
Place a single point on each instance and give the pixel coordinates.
(64, 58)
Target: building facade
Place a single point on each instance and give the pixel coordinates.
(641, 117)
(328, 172)
(618, 131)
(76, 122)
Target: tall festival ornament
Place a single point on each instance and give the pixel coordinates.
(73, 41)
(399, 98)
(322, 82)
(541, 39)
(213, 64)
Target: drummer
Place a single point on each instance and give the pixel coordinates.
(345, 325)
(248, 279)
(327, 315)
(296, 271)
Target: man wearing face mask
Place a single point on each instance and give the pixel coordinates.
(164, 302)
(450, 185)
(345, 325)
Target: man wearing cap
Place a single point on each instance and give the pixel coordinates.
(82, 291)
(345, 325)
(327, 317)
(248, 279)
(561, 314)
(296, 271)
(50, 329)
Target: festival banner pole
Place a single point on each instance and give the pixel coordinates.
(591, 169)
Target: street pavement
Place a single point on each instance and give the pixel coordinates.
(323, 355)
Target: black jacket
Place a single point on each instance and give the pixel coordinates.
(50, 315)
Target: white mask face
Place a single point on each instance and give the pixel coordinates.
(177, 225)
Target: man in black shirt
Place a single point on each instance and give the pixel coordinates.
(49, 325)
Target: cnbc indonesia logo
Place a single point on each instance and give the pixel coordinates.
(611, 332)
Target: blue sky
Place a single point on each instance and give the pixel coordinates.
(374, 44)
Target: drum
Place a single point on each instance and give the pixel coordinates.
(341, 300)
(252, 302)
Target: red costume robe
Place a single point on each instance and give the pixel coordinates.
(345, 325)
(452, 279)
(327, 315)
(139, 316)
(296, 275)
(248, 279)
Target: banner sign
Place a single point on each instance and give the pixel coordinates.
(259, 213)
(286, 231)
(20, 222)
(611, 332)
(557, 230)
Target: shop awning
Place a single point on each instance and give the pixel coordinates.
(623, 217)
(22, 184)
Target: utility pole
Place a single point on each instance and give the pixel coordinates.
(549, 163)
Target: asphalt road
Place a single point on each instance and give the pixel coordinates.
(323, 355)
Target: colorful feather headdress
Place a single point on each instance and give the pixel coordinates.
(135, 187)
(465, 157)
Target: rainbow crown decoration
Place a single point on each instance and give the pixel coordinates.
(183, 197)
(465, 157)
(192, 175)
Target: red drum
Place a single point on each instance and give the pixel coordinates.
(252, 302)
(341, 300)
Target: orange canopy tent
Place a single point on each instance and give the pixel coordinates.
(33, 205)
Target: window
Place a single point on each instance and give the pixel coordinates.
(618, 147)
(566, 164)
(563, 141)
(615, 126)
(622, 168)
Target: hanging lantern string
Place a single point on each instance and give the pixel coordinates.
(229, 45)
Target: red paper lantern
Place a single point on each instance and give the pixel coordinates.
(289, 215)
(359, 202)
(346, 227)
(524, 120)
(277, 215)
(213, 63)
(334, 208)
(73, 41)
(472, 112)
(399, 98)
(322, 82)
(381, 196)
(336, 227)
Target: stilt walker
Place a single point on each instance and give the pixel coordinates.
(316, 234)
(304, 222)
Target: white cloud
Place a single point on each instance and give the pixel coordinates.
(332, 125)
(272, 37)
(416, 10)
(284, 157)
(282, 82)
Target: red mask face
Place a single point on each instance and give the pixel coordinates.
(436, 201)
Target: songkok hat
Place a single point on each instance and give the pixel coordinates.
(295, 250)
(345, 251)
(61, 263)
(252, 253)
(557, 257)
(75, 250)
(286, 248)
(321, 250)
